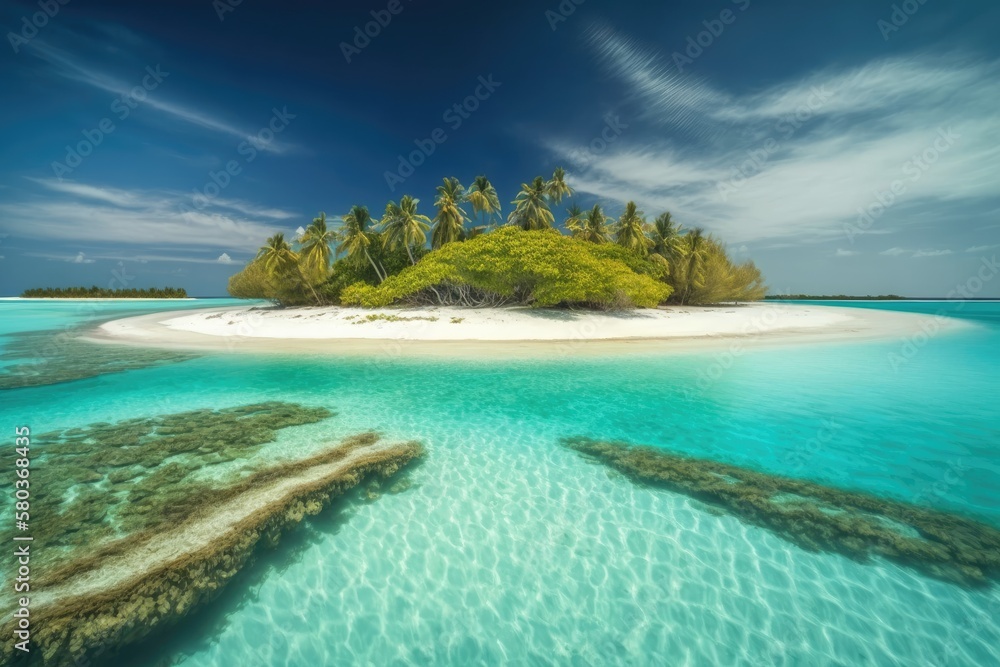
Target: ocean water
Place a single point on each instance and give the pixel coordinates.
(510, 549)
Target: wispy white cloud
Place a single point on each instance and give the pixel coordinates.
(872, 87)
(113, 196)
(132, 199)
(846, 253)
(248, 208)
(894, 252)
(78, 258)
(72, 68)
(678, 100)
(741, 165)
(931, 253)
(916, 254)
(184, 259)
(75, 211)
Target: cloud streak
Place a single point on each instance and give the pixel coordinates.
(917, 254)
(796, 160)
(70, 67)
(72, 211)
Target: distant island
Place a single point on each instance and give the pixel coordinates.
(95, 292)
(885, 297)
(837, 297)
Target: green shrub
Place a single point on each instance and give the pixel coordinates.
(252, 283)
(646, 266)
(346, 272)
(540, 268)
(286, 288)
(718, 279)
(343, 274)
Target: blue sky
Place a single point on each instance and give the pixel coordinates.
(849, 147)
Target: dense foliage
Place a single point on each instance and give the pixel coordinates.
(715, 278)
(345, 273)
(511, 266)
(95, 292)
(253, 282)
(603, 262)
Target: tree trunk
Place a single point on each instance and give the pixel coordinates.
(308, 284)
(381, 278)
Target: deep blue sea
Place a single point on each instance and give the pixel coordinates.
(510, 549)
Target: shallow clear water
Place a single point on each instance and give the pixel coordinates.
(510, 549)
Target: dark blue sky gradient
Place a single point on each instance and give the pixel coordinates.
(124, 204)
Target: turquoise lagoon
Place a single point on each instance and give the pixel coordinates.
(510, 549)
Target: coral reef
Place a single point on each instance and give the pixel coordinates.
(43, 358)
(104, 481)
(138, 557)
(817, 517)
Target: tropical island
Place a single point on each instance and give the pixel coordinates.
(475, 261)
(95, 292)
(469, 276)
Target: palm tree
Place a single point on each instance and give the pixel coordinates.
(694, 265)
(449, 223)
(316, 242)
(355, 237)
(276, 255)
(557, 188)
(403, 226)
(667, 240)
(593, 228)
(531, 210)
(574, 218)
(483, 197)
(630, 230)
(278, 258)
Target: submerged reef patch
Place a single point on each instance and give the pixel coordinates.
(105, 481)
(817, 517)
(147, 536)
(43, 358)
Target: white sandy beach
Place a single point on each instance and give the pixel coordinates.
(477, 332)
